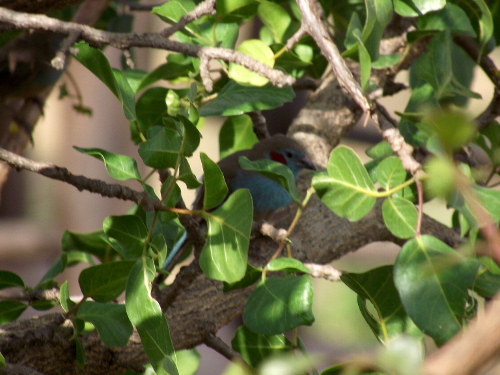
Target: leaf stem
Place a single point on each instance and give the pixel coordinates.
(291, 228)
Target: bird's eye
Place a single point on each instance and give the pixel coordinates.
(288, 154)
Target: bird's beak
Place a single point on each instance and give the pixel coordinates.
(305, 162)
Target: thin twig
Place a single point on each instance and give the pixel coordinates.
(143, 40)
(259, 125)
(324, 271)
(80, 182)
(314, 25)
(215, 342)
(204, 8)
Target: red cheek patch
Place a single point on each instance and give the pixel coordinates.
(276, 156)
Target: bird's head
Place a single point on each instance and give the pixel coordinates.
(293, 159)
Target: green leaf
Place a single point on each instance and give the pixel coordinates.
(225, 254)
(59, 266)
(255, 347)
(2, 361)
(80, 353)
(380, 304)
(145, 314)
(489, 139)
(290, 264)
(11, 310)
(480, 10)
(134, 78)
(279, 304)
(187, 176)
(173, 10)
(346, 188)
(92, 243)
(400, 216)
(188, 361)
(120, 167)
(390, 173)
(225, 7)
(236, 99)
(110, 319)
(151, 108)
(65, 298)
(191, 136)
(252, 275)
(215, 185)
(105, 282)
(487, 283)
(10, 279)
(177, 66)
(415, 8)
(259, 51)
(435, 67)
(275, 171)
(226, 34)
(276, 18)
(365, 61)
(451, 17)
(378, 15)
(162, 148)
(95, 61)
(380, 150)
(432, 280)
(490, 198)
(128, 231)
(236, 134)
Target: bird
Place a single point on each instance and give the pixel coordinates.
(267, 195)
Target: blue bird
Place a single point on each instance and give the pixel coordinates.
(267, 195)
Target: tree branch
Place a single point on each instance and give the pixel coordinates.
(145, 40)
(80, 182)
(313, 24)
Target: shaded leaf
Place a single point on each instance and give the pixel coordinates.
(235, 99)
(279, 304)
(380, 304)
(275, 171)
(236, 134)
(105, 282)
(110, 319)
(433, 282)
(215, 185)
(255, 347)
(11, 310)
(145, 314)
(128, 231)
(10, 279)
